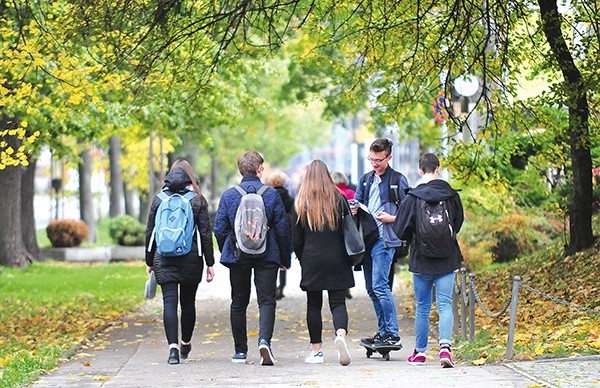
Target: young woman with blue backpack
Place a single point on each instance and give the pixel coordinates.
(178, 237)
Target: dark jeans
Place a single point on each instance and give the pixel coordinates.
(265, 278)
(187, 300)
(282, 279)
(314, 305)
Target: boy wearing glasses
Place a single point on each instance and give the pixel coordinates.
(374, 192)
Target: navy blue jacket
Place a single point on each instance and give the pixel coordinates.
(362, 195)
(278, 236)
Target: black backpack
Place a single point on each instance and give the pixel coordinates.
(435, 236)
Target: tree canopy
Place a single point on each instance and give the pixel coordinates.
(218, 72)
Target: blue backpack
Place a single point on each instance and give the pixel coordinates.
(174, 225)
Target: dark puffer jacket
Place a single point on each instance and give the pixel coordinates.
(278, 236)
(188, 268)
(405, 226)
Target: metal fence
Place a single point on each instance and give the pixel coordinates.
(465, 296)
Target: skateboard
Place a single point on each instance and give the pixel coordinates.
(383, 350)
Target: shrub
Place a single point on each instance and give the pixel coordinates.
(67, 233)
(125, 230)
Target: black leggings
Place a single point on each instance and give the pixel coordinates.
(337, 305)
(187, 299)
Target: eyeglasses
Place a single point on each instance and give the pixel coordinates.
(377, 161)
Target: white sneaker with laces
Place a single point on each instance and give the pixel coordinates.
(342, 349)
(315, 358)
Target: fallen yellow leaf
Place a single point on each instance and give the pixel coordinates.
(479, 361)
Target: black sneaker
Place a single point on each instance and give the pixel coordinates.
(370, 340)
(185, 350)
(173, 356)
(387, 340)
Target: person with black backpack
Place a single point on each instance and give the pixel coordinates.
(178, 235)
(374, 191)
(430, 217)
(253, 234)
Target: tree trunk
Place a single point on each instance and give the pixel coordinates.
(580, 220)
(116, 177)
(86, 197)
(144, 208)
(129, 208)
(28, 229)
(12, 248)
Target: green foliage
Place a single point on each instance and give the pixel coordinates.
(496, 229)
(67, 233)
(49, 307)
(125, 230)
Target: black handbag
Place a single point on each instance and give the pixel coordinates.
(353, 239)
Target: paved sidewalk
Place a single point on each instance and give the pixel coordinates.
(135, 354)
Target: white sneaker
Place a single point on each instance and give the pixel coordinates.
(315, 358)
(342, 349)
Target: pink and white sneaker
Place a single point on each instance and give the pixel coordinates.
(417, 358)
(446, 357)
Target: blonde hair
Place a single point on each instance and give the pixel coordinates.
(278, 179)
(339, 178)
(318, 201)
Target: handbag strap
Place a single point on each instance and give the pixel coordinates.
(345, 206)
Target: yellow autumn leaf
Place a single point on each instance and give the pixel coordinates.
(479, 361)
(101, 378)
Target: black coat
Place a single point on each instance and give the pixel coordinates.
(405, 225)
(187, 268)
(322, 257)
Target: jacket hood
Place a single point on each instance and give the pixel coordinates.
(435, 190)
(177, 180)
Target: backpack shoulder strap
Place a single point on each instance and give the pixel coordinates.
(240, 190)
(395, 187)
(163, 196)
(262, 190)
(368, 178)
(189, 195)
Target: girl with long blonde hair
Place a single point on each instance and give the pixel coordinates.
(319, 245)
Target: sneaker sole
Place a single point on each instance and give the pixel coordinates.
(321, 361)
(342, 349)
(236, 361)
(446, 363)
(266, 358)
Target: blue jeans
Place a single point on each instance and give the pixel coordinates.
(265, 278)
(376, 268)
(423, 286)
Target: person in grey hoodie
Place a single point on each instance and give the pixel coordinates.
(430, 271)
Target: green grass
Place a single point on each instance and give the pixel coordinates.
(48, 308)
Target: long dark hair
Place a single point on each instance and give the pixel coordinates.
(187, 167)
